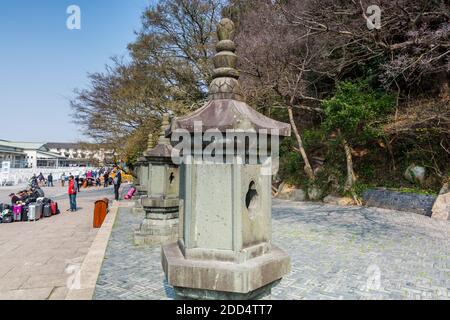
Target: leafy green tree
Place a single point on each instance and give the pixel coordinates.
(354, 116)
(168, 72)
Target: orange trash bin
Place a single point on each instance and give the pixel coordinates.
(100, 212)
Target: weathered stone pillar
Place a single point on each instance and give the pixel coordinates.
(225, 248)
(141, 172)
(161, 205)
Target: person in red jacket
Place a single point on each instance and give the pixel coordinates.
(73, 188)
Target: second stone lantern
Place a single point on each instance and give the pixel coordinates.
(161, 205)
(141, 172)
(225, 248)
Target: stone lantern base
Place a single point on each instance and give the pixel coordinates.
(160, 225)
(200, 294)
(140, 191)
(213, 279)
(138, 210)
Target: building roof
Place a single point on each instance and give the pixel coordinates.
(49, 155)
(62, 145)
(5, 147)
(11, 151)
(23, 145)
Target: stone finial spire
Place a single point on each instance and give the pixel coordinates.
(164, 126)
(225, 84)
(162, 139)
(150, 141)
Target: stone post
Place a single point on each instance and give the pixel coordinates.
(161, 204)
(225, 249)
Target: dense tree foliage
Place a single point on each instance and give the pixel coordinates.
(168, 72)
(364, 101)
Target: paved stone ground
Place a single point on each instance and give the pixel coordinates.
(38, 258)
(337, 253)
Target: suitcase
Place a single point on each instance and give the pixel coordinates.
(39, 210)
(17, 211)
(7, 216)
(39, 193)
(25, 213)
(54, 208)
(34, 212)
(7, 219)
(47, 211)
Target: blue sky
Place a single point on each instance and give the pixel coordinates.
(42, 62)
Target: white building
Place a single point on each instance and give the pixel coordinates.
(12, 154)
(32, 154)
(52, 155)
(22, 160)
(82, 154)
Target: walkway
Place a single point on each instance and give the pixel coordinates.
(337, 253)
(38, 259)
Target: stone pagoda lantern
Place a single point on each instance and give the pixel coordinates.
(141, 178)
(225, 248)
(141, 171)
(161, 204)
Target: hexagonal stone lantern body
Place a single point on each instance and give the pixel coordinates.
(140, 182)
(225, 248)
(161, 204)
(141, 172)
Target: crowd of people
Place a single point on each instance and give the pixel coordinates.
(89, 178)
(109, 177)
(113, 177)
(102, 177)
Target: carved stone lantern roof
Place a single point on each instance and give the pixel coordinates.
(227, 108)
(141, 161)
(162, 152)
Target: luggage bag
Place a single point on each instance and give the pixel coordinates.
(25, 213)
(39, 210)
(54, 208)
(47, 211)
(17, 211)
(7, 216)
(130, 193)
(34, 212)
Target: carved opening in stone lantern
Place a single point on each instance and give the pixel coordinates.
(171, 178)
(252, 200)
